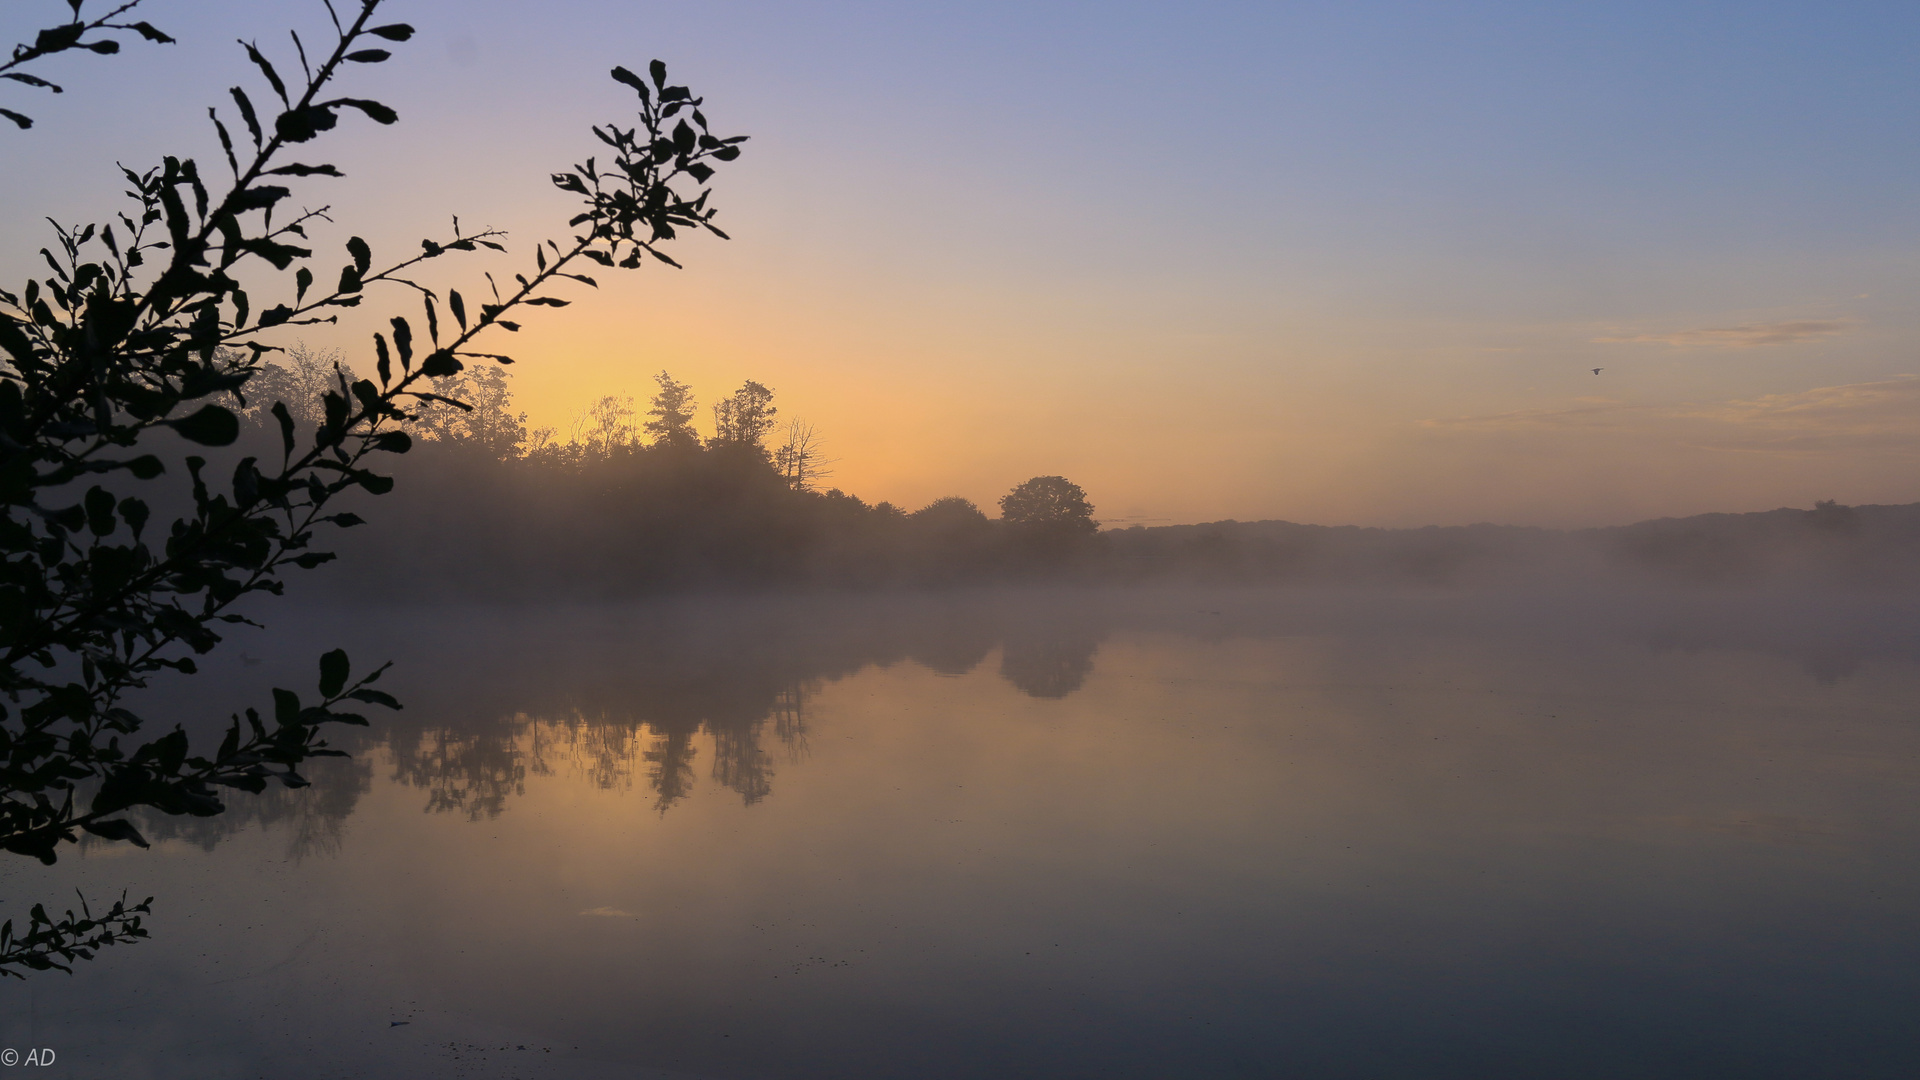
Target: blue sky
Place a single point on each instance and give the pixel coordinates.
(1326, 261)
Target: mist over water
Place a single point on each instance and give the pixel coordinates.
(1045, 833)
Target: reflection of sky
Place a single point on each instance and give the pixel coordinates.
(1208, 260)
(1490, 851)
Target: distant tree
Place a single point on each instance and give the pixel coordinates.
(1828, 515)
(800, 458)
(606, 426)
(950, 514)
(300, 379)
(143, 327)
(489, 423)
(672, 412)
(1051, 504)
(745, 418)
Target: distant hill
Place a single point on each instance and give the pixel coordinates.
(1829, 544)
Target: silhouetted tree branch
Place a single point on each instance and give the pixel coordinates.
(108, 350)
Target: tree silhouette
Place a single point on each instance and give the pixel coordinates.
(606, 426)
(299, 379)
(801, 458)
(1051, 504)
(745, 418)
(672, 412)
(489, 423)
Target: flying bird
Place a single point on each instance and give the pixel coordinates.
(1597, 371)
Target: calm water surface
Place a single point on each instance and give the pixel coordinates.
(1049, 836)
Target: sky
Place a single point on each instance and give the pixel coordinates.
(1327, 262)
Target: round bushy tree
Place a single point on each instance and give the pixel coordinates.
(1051, 504)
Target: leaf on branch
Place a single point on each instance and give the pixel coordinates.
(376, 697)
(375, 111)
(280, 255)
(22, 121)
(441, 364)
(211, 426)
(362, 254)
(117, 829)
(135, 512)
(31, 80)
(273, 77)
(394, 32)
(256, 198)
(368, 56)
(297, 169)
(403, 341)
(301, 125)
(334, 670)
(285, 421)
(147, 31)
(622, 75)
(99, 503)
(226, 141)
(246, 113)
(60, 37)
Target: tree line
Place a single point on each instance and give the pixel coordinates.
(633, 498)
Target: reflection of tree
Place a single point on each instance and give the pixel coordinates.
(672, 773)
(790, 720)
(313, 815)
(615, 710)
(1048, 666)
(471, 772)
(955, 655)
(601, 749)
(476, 772)
(740, 764)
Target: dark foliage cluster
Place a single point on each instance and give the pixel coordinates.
(562, 523)
(50, 944)
(120, 558)
(681, 515)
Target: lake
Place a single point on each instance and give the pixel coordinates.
(1150, 834)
